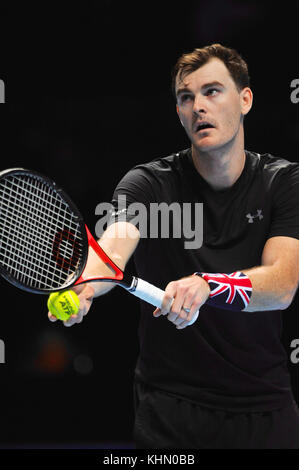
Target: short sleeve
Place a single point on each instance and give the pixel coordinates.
(285, 207)
(132, 197)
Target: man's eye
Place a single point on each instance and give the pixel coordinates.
(184, 98)
(212, 91)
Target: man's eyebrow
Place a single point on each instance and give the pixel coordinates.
(185, 89)
(211, 84)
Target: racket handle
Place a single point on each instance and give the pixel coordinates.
(147, 292)
(151, 294)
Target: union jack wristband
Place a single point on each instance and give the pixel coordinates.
(229, 291)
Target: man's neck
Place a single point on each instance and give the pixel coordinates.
(222, 167)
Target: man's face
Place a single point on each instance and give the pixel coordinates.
(210, 106)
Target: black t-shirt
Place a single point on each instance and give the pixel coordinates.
(227, 360)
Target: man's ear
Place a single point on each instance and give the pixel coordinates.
(246, 99)
(178, 113)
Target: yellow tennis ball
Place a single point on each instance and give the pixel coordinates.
(63, 304)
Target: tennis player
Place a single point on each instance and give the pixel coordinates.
(222, 382)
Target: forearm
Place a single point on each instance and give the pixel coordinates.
(96, 267)
(273, 288)
(119, 242)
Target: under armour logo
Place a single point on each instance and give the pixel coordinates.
(258, 215)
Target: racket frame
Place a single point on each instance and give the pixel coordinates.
(125, 281)
(79, 219)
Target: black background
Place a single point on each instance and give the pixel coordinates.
(88, 96)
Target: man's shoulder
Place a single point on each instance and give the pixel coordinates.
(173, 161)
(270, 162)
(157, 172)
(273, 170)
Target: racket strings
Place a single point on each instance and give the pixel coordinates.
(40, 237)
(29, 197)
(39, 232)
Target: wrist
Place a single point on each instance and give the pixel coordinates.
(228, 291)
(100, 288)
(206, 285)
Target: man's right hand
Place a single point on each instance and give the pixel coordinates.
(86, 293)
(119, 242)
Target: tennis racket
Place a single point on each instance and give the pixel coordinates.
(44, 241)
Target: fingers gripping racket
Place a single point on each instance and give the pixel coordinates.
(44, 241)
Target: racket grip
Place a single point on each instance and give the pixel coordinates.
(147, 292)
(151, 294)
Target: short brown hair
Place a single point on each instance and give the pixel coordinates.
(191, 61)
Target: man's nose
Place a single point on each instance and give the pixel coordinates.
(198, 105)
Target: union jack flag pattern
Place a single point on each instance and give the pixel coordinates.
(229, 291)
